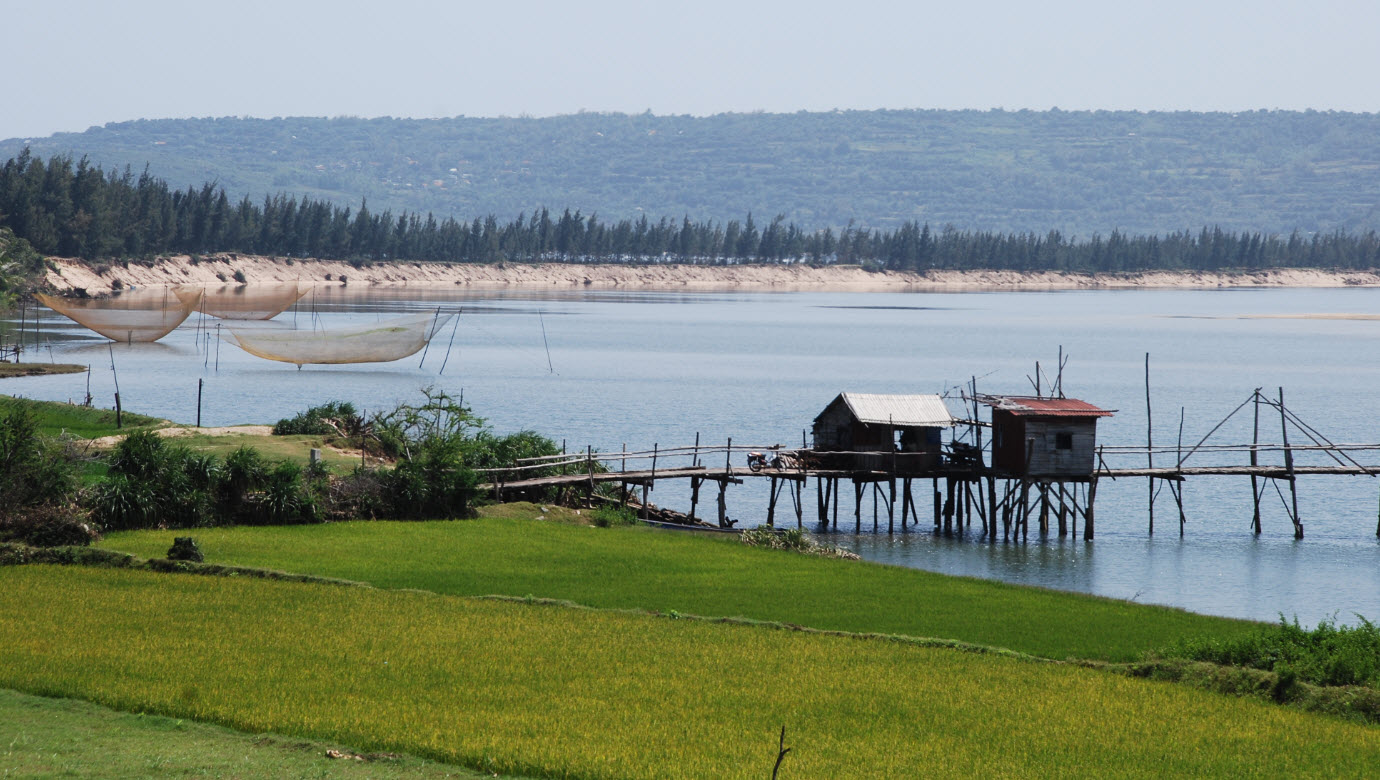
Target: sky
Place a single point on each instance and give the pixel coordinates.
(71, 65)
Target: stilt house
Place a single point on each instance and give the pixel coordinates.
(1053, 437)
(870, 431)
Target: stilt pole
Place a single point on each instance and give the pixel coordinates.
(1289, 466)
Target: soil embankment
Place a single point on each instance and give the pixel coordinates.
(223, 268)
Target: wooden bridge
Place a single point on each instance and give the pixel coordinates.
(962, 487)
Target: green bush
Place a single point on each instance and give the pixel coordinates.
(33, 469)
(1329, 655)
(47, 526)
(151, 484)
(608, 516)
(314, 421)
(244, 471)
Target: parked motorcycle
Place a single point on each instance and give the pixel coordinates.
(758, 461)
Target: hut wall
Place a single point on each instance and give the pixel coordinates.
(1056, 446)
(833, 427)
(1062, 446)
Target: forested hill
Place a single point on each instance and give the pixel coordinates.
(1079, 172)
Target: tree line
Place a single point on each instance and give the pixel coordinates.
(75, 209)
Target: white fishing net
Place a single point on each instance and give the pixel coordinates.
(129, 317)
(378, 342)
(246, 301)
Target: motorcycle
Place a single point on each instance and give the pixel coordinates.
(758, 461)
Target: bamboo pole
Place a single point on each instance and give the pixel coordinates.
(1255, 461)
(1289, 466)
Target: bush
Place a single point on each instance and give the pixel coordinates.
(47, 526)
(153, 485)
(608, 516)
(328, 419)
(244, 471)
(34, 470)
(793, 539)
(184, 548)
(285, 497)
(240, 277)
(1329, 655)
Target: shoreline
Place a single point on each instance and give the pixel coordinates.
(66, 275)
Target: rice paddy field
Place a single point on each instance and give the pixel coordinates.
(550, 691)
(648, 569)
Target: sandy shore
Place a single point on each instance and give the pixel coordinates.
(218, 269)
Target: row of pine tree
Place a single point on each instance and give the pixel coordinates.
(75, 209)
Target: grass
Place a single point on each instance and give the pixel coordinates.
(8, 370)
(84, 422)
(555, 691)
(296, 449)
(43, 737)
(643, 568)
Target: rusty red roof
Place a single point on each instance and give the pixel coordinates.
(1027, 406)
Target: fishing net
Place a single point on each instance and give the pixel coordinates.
(378, 342)
(131, 317)
(246, 301)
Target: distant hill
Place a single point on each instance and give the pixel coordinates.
(1079, 172)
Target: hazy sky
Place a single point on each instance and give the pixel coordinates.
(69, 65)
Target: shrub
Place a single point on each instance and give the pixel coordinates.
(793, 539)
(608, 516)
(1329, 655)
(151, 484)
(240, 277)
(47, 526)
(285, 497)
(245, 471)
(33, 469)
(121, 503)
(330, 418)
(184, 548)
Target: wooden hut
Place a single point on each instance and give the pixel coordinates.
(1047, 437)
(876, 432)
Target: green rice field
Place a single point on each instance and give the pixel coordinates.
(643, 568)
(552, 691)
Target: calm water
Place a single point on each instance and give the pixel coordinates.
(645, 368)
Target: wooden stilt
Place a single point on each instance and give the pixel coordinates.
(1063, 520)
(1044, 509)
(694, 496)
(874, 507)
(1178, 488)
(1149, 443)
(857, 506)
(1088, 524)
(797, 492)
(771, 503)
(891, 507)
(948, 505)
(835, 492)
(723, 505)
(905, 502)
(1289, 466)
(1255, 461)
(992, 502)
(938, 503)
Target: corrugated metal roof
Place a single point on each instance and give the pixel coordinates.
(927, 411)
(1026, 406)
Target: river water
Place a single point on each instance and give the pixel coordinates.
(608, 368)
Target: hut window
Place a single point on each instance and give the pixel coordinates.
(1063, 441)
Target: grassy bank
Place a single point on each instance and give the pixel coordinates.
(641, 568)
(55, 418)
(43, 737)
(555, 691)
(8, 370)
